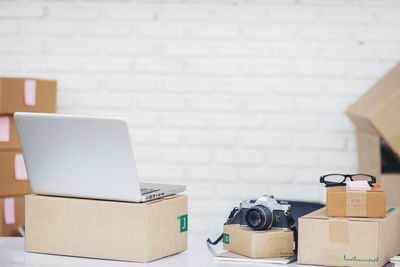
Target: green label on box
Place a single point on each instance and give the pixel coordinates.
(183, 223)
(225, 238)
(389, 210)
(355, 259)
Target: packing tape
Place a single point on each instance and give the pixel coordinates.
(4, 129)
(30, 92)
(19, 167)
(338, 231)
(9, 210)
(356, 203)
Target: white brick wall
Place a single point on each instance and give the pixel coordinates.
(234, 98)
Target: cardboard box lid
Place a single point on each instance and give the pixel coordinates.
(375, 188)
(321, 215)
(378, 110)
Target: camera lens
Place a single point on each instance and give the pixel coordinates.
(259, 218)
(254, 218)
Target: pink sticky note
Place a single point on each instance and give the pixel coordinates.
(9, 210)
(30, 92)
(19, 167)
(4, 129)
(358, 186)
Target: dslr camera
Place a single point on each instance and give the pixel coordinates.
(262, 213)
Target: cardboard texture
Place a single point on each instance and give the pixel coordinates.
(375, 115)
(9, 184)
(344, 241)
(18, 214)
(13, 142)
(258, 244)
(391, 183)
(29, 95)
(102, 229)
(340, 202)
(377, 111)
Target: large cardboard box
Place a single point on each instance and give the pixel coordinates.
(376, 116)
(29, 95)
(12, 215)
(258, 244)
(13, 176)
(8, 134)
(344, 241)
(340, 202)
(103, 229)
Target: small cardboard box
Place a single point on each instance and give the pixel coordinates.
(12, 215)
(340, 202)
(13, 176)
(272, 243)
(8, 134)
(104, 229)
(344, 241)
(29, 95)
(376, 116)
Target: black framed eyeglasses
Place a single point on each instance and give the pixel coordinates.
(337, 179)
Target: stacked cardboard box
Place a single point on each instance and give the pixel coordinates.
(355, 229)
(376, 116)
(17, 94)
(348, 241)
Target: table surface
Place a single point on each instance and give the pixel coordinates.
(12, 254)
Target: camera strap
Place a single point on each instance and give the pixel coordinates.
(292, 226)
(233, 212)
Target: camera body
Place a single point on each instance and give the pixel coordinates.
(262, 213)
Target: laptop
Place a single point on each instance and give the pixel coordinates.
(83, 156)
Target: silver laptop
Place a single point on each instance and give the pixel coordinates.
(83, 156)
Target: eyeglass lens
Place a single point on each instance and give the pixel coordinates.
(335, 178)
(361, 177)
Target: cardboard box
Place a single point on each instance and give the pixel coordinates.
(8, 134)
(340, 202)
(258, 244)
(103, 229)
(12, 215)
(344, 241)
(391, 183)
(11, 181)
(29, 95)
(375, 115)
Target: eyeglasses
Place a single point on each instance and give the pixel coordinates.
(336, 179)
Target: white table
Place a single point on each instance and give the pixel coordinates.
(12, 254)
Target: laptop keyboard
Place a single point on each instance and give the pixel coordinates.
(146, 191)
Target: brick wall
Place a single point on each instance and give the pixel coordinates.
(234, 98)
